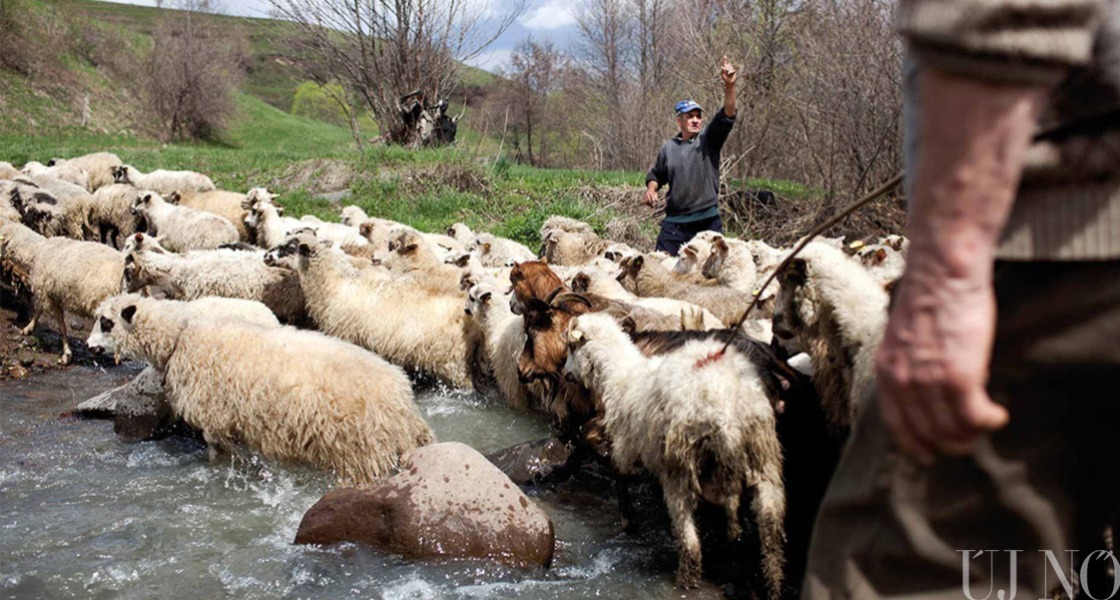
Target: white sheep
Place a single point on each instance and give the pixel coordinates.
(64, 275)
(462, 234)
(885, 260)
(568, 224)
(502, 338)
(700, 419)
(8, 171)
(564, 248)
(223, 273)
(605, 285)
(411, 258)
(650, 279)
(98, 165)
(265, 219)
(352, 216)
(219, 202)
(494, 251)
(297, 396)
(111, 214)
(836, 312)
(392, 317)
(163, 182)
(68, 173)
(180, 228)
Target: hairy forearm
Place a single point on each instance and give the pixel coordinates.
(974, 136)
(729, 100)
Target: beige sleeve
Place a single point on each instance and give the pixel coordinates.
(1030, 41)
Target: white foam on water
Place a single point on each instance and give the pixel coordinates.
(414, 588)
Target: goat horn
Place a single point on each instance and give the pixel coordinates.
(569, 296)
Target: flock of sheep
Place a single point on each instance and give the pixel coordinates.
(294, 336)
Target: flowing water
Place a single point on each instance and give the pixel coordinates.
(83, 515)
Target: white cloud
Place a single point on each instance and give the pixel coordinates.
(553, 14)
(492, 60)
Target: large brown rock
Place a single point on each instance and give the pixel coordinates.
(535, 462)
(448, 501)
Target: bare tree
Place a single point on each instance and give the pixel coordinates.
(393, 51)
(193, 71)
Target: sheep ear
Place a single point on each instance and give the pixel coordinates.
(409, 249)
(146, 199)
(689, 250)
(575, 335)
(637, 263)
(466, 281)
(721, 244)
(304, 250)
(279, 210)
(463, 260)
(451, 231)
(485, 297)
(880, 255)
(128, 312)
(173, 198)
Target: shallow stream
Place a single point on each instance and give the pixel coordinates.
(83, 515)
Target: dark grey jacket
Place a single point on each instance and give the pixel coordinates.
(691, 168)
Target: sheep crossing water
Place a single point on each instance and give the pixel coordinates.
(622, 351)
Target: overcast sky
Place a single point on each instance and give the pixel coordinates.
(543, 20)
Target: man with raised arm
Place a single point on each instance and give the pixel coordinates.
(689, 164)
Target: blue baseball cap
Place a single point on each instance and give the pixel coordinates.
(687, 106)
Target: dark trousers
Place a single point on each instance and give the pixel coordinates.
(1048, 481)
(675, 235)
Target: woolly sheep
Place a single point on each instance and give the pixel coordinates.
(98, 165)
(64, 275)
(314, 399)
(265, 219)
(163, 182)
(111, 215)
(731, 263)
(352, 216)
(462, 234)
(180, 228)
(224, 273)
(572, 249)
(406, 325)
(699, 419)
(7, 171)
(502, 339)
(836, 312)
(412, 259)
(609, 287)
(561, 223)
(494, 251)
(219, 202)
(649, 279)
(68, 173)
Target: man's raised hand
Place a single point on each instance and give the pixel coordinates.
(727, 72)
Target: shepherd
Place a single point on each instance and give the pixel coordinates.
(689, 164)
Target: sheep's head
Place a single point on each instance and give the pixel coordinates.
(174, 198)
(793, 312)
(294, 254)
(257, 195)
(484, 243)
(144, 203)
(581, 283)
(461, 232)
(616, 252)
(121, 174)
(407, 249)
(580, 333)
(631, 268)
(714, 264)
(44, 218)
(353, 215)
(873, 256)
(478, 300)
(142, 242)
(532, 279)
(113, 319)
(134, 277)
(461, 259)
(55, 162)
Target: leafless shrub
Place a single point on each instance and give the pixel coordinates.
(192, 72)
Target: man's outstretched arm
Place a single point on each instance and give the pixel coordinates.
(933, 362)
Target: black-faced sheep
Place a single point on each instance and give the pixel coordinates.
(293, 395)
(699, 419)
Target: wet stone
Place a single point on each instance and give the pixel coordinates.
(535, 462)
(436, 507)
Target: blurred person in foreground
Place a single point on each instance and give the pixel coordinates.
(990, 449)
(689, 164)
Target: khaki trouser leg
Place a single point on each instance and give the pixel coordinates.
(1048, 481)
